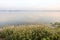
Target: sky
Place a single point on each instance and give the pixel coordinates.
(30, 4)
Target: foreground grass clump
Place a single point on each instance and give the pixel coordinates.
(30, 32)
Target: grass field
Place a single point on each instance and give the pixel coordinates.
(29, 32)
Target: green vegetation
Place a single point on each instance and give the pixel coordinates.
(56, 24)
(30, 32)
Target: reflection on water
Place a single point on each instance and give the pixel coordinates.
(28, 17)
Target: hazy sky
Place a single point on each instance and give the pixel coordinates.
(30, 4)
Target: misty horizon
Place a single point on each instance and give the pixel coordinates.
(29, 11)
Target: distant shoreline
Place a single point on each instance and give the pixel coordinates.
(29, 10)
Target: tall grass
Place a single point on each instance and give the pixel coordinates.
(30, 32)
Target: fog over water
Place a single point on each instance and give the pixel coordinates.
(28, 17)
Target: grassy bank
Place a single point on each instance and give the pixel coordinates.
(30, 32)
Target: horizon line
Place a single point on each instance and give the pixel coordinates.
(30, 10)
